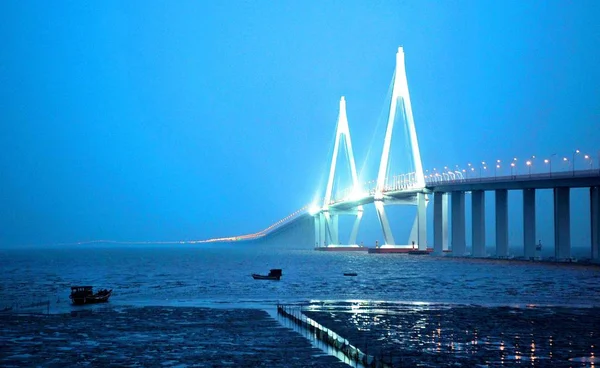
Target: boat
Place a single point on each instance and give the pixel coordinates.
(350, 274)
(274, 274)
(85, 295)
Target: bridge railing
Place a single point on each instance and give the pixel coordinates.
(394, 183)
(439, 179)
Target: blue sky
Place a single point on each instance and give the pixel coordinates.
(148, 120)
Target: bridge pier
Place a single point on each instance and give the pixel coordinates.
(459, 245)
(529, 228)
(501, 222)
(421, 221)
(562, 223)
(440, 222)
(317, 221)
(595, 219)
(478, 222)
(322, 231)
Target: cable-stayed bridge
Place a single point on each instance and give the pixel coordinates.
(318, 222)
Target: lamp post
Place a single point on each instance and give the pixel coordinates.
(546, 161)
(566, 160)
(482, 166)
(587, 157)
(512, 166)
(573, 161)
(529, 165)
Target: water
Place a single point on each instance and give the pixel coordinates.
(219, 275)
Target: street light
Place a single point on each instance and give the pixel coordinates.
(546, 161)
(512, 166)
(482, 165)
(587, 157)
(573, 162)
(495, 168)
(529, 165)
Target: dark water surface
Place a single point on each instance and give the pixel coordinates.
(418, 310)
(220, 275)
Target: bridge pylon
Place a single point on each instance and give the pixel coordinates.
(327, 220)
(414, 194)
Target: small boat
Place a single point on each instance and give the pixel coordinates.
(350, 274)
(274, 274)
(85, 295)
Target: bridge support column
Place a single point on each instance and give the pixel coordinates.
(459, 244)
(317, 220)
(322, 231)
(334, 229)
(529, 229)
(478, 226)
(440, 222)
(388, 238)
(562, 223)
(501, 222)
(595, 217)
(422, 221)
(354, 232)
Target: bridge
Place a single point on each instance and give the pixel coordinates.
(414, 187)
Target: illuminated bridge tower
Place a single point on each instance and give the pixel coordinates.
(411, 190)
(327, 218)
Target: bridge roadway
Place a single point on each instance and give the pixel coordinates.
(561, 179)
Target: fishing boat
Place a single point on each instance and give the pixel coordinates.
(85, 295)
(350, 274)
(274, 274)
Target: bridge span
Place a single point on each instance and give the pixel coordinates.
(448, 190)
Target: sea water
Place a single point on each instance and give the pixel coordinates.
(220, 275)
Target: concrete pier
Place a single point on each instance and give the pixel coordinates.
(478, 226)
(529, 229)
(562, 223)
(322, 230)
(459, 245)
(440, 222)
(502, 222)
(422, 222)
(595, 219)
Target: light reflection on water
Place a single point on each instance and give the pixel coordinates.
(535, 336)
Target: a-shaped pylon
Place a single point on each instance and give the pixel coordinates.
(329, 219)
(401, 98)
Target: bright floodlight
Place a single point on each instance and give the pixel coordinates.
(313, 209)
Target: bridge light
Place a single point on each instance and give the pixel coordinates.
(313, 210)
(528, 163)
(546, 161)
